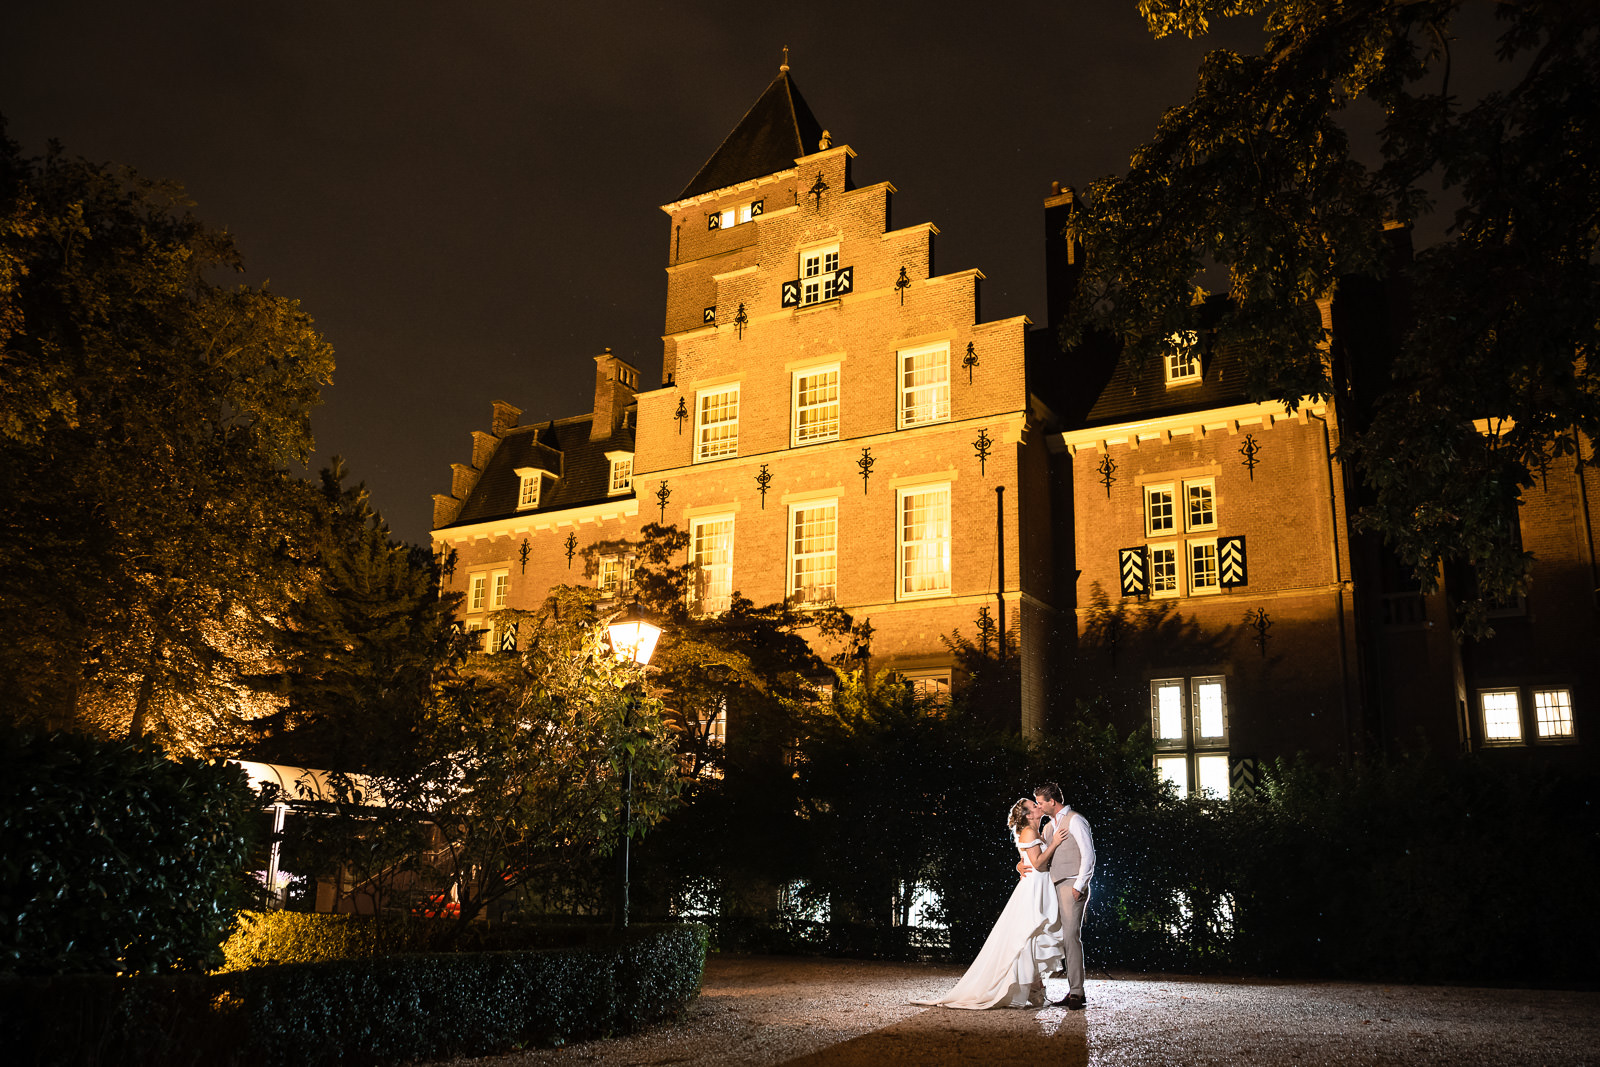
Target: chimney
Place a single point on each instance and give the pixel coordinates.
(1063, 253)
(505, 418)
(615, 383)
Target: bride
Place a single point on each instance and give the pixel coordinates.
(1026, 942)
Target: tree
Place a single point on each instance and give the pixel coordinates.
(1256, 176)
(148, 529)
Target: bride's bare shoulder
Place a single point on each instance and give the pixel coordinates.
(1026, 835)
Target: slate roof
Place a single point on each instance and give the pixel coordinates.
(583, 474)
(775, 132)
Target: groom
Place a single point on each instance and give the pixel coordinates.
(1070, 869)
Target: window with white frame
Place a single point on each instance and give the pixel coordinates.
(1175, 566)
(1183, 358)
(816, 405)
(528, 488)
(1502, 716)
(924, 534)
(477, 591)
(1552, 710)
(616, 575)
(621, 471)
(734, 216)
(814, 552)
(717, 423)
(499, 589)
(925, 384)
(817, 267)
(1189, 722)
(931, 683)
(711, 552)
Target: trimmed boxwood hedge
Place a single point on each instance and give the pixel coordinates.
(361, 1011)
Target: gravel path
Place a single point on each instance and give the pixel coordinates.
(759, 1010)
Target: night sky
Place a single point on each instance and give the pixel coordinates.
(465, 197)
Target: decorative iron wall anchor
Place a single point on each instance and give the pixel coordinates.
(663, 494)
(740, 319)
(681, 414)
(982, 446)
(1250, 450)
(1108, 472)
(817, 189)
(447, 563)
(986, 628)
(970, 360)
(763, 479)
(522, 554)
(902, 283)
(572, 547)
(1258, 621)
(865, 463)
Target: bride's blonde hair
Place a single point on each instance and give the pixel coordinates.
(1019, 815)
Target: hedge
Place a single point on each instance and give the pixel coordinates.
(360, 1011)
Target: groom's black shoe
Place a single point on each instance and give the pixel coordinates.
(1074, 1002)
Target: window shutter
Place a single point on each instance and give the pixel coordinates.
(791, 294)
(508, 638)
(714, 221)
(844, 281)
(1135, 572)
(1231, 562)
(709, 315)
(756, 207)
(1242, 777)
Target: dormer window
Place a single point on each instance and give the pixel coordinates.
(532, 481)
(1183, 360)
(735, 216)
(621, 472)
(821, 278)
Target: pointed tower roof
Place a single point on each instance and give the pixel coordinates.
(775, 132)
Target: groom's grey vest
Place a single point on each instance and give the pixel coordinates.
(1068, 857)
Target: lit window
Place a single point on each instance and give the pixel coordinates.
(528, 488)
(817, 274)
(1174, 769)
(813, 552)
(816, 405)
(1502, 715)
(1211, 774)
(1163, 570)
(1203, 567)
(616, 574)
(932, 684)
(925, 541)
(1183, 360)
(622, 473)
(499, 587)
(717, 424)
(925, 385)
(1553, 710)
(1200, 504)
(1159, 520)
(711, 551)
(730, 217)
(1210, 711)
(1166, 711)
(477, 591)
(716, 730)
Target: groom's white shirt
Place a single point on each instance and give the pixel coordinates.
(1078, 830)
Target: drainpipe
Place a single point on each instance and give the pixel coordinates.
(1338, 577)
(1000, 542)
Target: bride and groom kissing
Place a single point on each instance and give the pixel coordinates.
(1039, 932)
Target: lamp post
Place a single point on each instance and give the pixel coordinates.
(633, 640)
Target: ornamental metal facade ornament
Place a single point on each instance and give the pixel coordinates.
(522, 554)
(571, 547)
(1258, 621)
(763, 479)
(1108, 472)
(681, 414)
(986, 629)
(982, 447)
(740, 320)
(447, 563)
(903, 283)
(663, 494)
(865, 463)
(1250, 450)
(970, 360)
(818, 187)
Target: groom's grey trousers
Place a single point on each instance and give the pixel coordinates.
(1072, 912)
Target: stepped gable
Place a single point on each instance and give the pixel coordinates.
(581, 470)
(776, 131)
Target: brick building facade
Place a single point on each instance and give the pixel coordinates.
(837, 424)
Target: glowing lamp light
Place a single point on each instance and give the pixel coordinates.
(634, 636)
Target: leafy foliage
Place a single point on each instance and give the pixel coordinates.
(1256, 175)
(115, 859)
(147, 529)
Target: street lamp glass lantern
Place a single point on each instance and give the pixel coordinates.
(634, 636)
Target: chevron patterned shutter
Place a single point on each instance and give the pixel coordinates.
(844, 281)
(1231, 566)
(791, 294)
(508, 638)
(714, 221)
(1243, 776)
(1135, 571)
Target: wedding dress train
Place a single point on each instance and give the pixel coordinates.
(1025, 945)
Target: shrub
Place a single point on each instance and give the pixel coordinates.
(114, 858)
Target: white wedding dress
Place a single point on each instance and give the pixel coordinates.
(1024, 946)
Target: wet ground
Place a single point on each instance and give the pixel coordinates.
(759, 1010)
